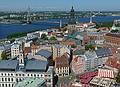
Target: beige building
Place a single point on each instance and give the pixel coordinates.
(15, 50)
(59, 50)
(62, 66)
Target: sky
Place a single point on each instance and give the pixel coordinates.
(60, 5)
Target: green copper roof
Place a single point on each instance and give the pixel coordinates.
(31, 82)
(75, 35)
(79, 52)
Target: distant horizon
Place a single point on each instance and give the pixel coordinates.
(60, 5)
(35, 10)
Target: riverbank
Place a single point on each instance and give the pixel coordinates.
(8, 29)
(20, 34)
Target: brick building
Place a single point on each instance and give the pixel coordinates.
(113, 39)
(62, 66)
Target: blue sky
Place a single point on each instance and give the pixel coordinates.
(60, 4)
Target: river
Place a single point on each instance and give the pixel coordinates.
(7, 29)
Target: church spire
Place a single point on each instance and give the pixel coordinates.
(72, 19)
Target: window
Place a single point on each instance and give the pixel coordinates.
(5, 79)
(48, 80)
(1, 74)
(9, 85)
(22, 74)
(8, 79)
(2, 85)
(16, 80)
(11, 74)
(2, 79)
(12, 79)
(41, 75)
(34, 75)
(27, 74)
(6, 85)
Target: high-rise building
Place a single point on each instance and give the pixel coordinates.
(72, 19)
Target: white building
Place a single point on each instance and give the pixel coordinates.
(94, 59)
(28, 44)
(13, 71)
(15, 50)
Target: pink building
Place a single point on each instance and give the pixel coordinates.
(78, 65)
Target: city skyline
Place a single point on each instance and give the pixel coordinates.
(62, 5)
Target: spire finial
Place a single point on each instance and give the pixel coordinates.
(72, 7)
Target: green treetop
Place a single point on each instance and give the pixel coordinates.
(4, 56)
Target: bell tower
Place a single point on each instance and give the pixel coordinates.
(21, 59)
(72, 19)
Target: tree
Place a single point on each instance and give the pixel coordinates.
(4, 56)
(118, 77)
(53, 38)
(44, 36)
(114, 31)
(73, 46)
(89, 47)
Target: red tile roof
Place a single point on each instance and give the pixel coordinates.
(86, 81)
(27, 50)
(87, 77)
(113, 62)
(68, 42)
(113, 35)
(62, 61)
(34, 46)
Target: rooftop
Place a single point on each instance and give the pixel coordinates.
(103, 82)
(79, 52)
(87, 77)
(90, 55)
(113, 35)
(44, 53)
(104, 52)
(106, 73)
(58, 46)
(15, 46)
(8, 64)
(31, 82)
(30, 65)
(68, 42)
(62, 61)
(36, 65)
(113, 62)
